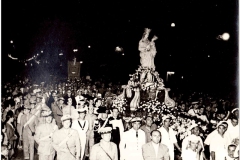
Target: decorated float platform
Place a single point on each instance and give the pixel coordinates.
(145, 92)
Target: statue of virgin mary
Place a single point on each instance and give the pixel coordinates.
(147, 50)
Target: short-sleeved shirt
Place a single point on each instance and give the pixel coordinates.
(233, 131)
(219, 144)
(168, 138)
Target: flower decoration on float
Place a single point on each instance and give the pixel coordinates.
(180, 124)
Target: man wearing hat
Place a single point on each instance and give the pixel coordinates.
(168, 136)
(66, 141)
(28, 123)
(218, 141)
(79, 96)
(103, 121)
(81, 125)
(235, 112)
(194, 129)
(132, 141)
(42, 118)
(43, 137)
(233, 127)
(37, 109)
(104, 150)
(57, 111)
(80, 102)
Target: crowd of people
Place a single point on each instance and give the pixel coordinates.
(82, 119)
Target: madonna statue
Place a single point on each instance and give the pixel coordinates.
(147, 50)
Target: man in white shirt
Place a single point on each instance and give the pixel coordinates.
(194, 111)
(218, 142)
(132, 141)
(81, 125)
(104, 150)
(79, 96)
(233, 128)
(154, 150)
(168, 136)
(201, 115)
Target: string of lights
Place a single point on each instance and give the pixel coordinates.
(26, 60)
(34, 57)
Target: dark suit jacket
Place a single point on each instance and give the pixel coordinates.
(149, 152)
(10, 133)
(57, 114)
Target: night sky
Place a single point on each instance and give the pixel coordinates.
(190, 49)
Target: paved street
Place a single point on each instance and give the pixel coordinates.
(19, 155)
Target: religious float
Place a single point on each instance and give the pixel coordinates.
(145, 87)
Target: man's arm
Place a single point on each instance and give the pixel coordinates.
(177, 146)
(122, 145)
(54, 111)
(115, 153)
(145, 152)
(212, 155)
(55, 141)
(93, 155)
(78, 145)
(121, 128)
(21, 125)
(37, 135)
(166, 155)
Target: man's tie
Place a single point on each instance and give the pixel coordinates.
(137, 134)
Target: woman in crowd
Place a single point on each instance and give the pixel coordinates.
(11, 136)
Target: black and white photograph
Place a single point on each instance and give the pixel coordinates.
(119, 80)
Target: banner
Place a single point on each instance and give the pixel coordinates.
(74, 70)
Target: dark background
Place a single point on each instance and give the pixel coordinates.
(60, 26)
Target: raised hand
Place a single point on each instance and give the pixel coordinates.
(154, 38)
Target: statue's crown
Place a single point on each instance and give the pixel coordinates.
(147, 30)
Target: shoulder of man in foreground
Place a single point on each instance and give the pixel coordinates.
(163, 146)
